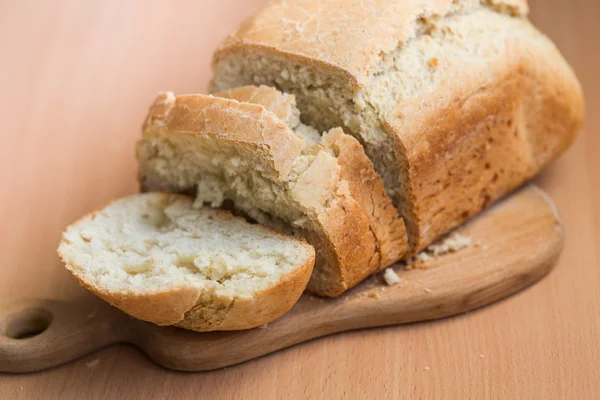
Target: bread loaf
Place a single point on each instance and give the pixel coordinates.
(159, 259)
(250, 149)
(456, 102)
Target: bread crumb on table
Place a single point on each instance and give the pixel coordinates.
(481, 356)
(374, 294)
(390, 277)
(426, 369)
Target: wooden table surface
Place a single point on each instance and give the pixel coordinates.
(76, 80)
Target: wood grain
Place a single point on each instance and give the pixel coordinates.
(77, 78)
(517, 242)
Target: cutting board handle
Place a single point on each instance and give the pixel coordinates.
(39, 334)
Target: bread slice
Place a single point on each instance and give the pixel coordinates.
(256, 154)
(456, 102)
(159, 259)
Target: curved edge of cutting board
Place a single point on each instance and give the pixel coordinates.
(516, 242)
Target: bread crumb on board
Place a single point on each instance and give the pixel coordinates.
(425, 368)
(390, 277)
(374, 294)
(451, 244)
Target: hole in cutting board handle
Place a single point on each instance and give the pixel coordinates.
(28, 323)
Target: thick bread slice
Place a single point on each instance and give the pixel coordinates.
(159, 259)
(323, 188)
(456, 102)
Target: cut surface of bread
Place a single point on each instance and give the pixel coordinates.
(456, 102)
(255, 153)
(160, 259)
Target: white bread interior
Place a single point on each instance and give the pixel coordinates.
(162, 260)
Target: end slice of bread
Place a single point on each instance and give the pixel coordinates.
(158, 258)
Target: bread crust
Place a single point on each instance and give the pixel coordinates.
(367, 188)
(458, 147)
(281, 104)
(510, 122)
(174, 306)
(356, 229)
(345, 37)
(249, 127)
(266, 306)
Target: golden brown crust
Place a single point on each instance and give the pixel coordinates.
(347, 37)
(283, 105)
(172, 306)
(367, 188)
(269, 304)
(161, 308)
(504, 124)
(351, 243)
(356, 229)
(248, 126)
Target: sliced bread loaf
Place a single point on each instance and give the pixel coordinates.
(456, 102)
(255, 153)
(159, 259)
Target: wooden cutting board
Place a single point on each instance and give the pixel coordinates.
(516, 242)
